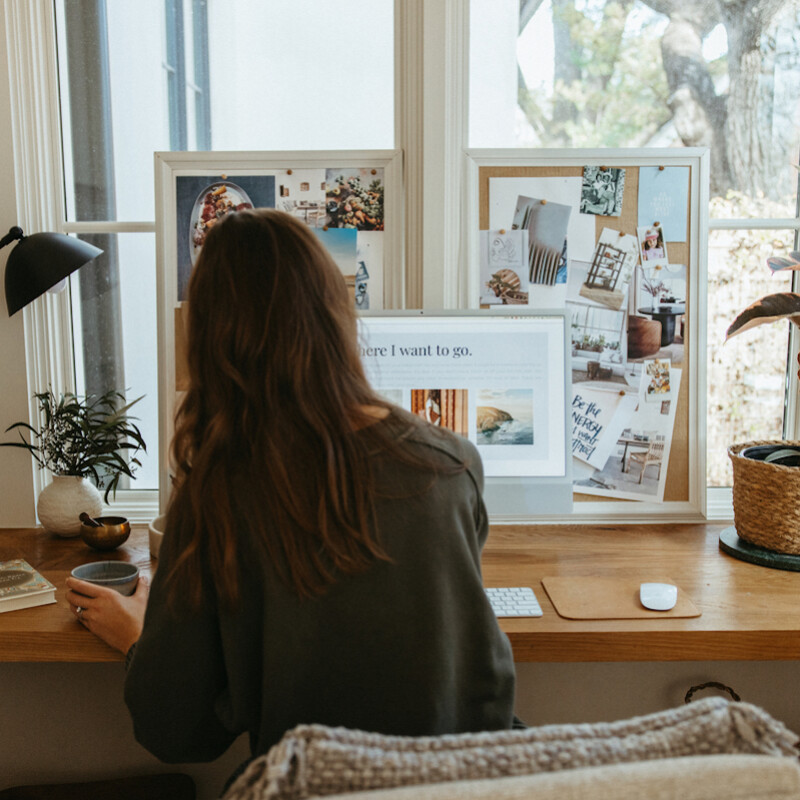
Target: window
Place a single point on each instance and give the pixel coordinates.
(623, 73)
(192, 75)
(268, 75)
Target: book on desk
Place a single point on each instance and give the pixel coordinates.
(21, 586)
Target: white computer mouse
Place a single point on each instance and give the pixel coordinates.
(658, 596)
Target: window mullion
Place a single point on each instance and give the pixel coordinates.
(431, 113)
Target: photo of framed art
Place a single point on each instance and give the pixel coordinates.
(618, 238)
(351, 200)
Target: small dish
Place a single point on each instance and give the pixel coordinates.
(118, 575)
(110, 534)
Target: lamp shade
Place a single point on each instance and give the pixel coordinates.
(40, 261)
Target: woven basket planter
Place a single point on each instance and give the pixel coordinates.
(766, 500)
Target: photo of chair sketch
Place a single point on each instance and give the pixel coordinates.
(653, 455)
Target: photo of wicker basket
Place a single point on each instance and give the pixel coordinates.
(766, 498)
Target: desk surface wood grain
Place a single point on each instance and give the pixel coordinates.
(51, 632)
(748, 612)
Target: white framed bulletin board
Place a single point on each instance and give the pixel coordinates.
(352, 200)
(618, 238)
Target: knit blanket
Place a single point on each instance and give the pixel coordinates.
(315, 760)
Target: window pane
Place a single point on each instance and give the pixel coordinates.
(746, 375)
(250, 75)
(605, 73)
(114, 325)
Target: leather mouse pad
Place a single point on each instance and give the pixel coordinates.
(577, 597)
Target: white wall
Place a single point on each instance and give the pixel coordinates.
(81, 730)
(16, 487)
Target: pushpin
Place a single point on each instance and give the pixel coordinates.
(544, 202)
(502, 231)
(224, 177)
(656, 224)
(603, 169)
(661, 168)
(374, 172)
(288, 172)
(324, 227)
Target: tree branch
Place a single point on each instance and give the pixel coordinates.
(527, 8)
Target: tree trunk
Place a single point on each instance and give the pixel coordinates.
(565, 72)
(756, 150)
(698, 113)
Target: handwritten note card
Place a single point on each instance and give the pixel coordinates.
(598, 418)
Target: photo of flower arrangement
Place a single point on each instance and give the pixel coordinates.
(354, 199)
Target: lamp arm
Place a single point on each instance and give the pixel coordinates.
(13, 234)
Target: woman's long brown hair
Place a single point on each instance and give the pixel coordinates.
(264, 443)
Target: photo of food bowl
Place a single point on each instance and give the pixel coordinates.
(213, 203)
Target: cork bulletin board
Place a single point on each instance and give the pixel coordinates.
(619, 238)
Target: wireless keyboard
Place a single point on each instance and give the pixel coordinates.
(514, 601)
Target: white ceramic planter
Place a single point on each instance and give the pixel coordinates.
(60, 504)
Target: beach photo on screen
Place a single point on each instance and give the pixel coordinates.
(504, 417)
(446, 408)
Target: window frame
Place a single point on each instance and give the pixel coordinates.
(431, 116)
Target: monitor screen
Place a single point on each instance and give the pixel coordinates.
(499, 378)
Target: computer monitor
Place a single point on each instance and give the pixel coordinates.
(500, 378)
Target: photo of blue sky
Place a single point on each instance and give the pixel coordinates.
(341, 244)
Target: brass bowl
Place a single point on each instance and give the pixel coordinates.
(113, 532)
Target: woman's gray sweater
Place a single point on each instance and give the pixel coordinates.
(409, 647)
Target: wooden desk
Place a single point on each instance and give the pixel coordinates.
(748, 612)
(51, 632)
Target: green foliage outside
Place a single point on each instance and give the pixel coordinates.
(634, 74)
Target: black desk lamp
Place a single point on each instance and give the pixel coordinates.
(39, 262)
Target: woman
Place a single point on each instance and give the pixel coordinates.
(321, 562)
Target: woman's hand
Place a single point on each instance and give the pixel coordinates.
(117, 620)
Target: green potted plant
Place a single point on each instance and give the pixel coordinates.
(766, 481)
(86, 443)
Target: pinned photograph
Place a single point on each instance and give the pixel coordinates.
(446, 408)
(354, 199)
(201, 200)
(546, 224)
(611, 269)
(602, 191)
(369, 270)
(657, 385)
(503, 266)
(302, 193)
(636, 466)
(653, 249)
(663, 195)
(342, 244)
(504, 417)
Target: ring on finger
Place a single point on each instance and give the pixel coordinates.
(78, 611)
